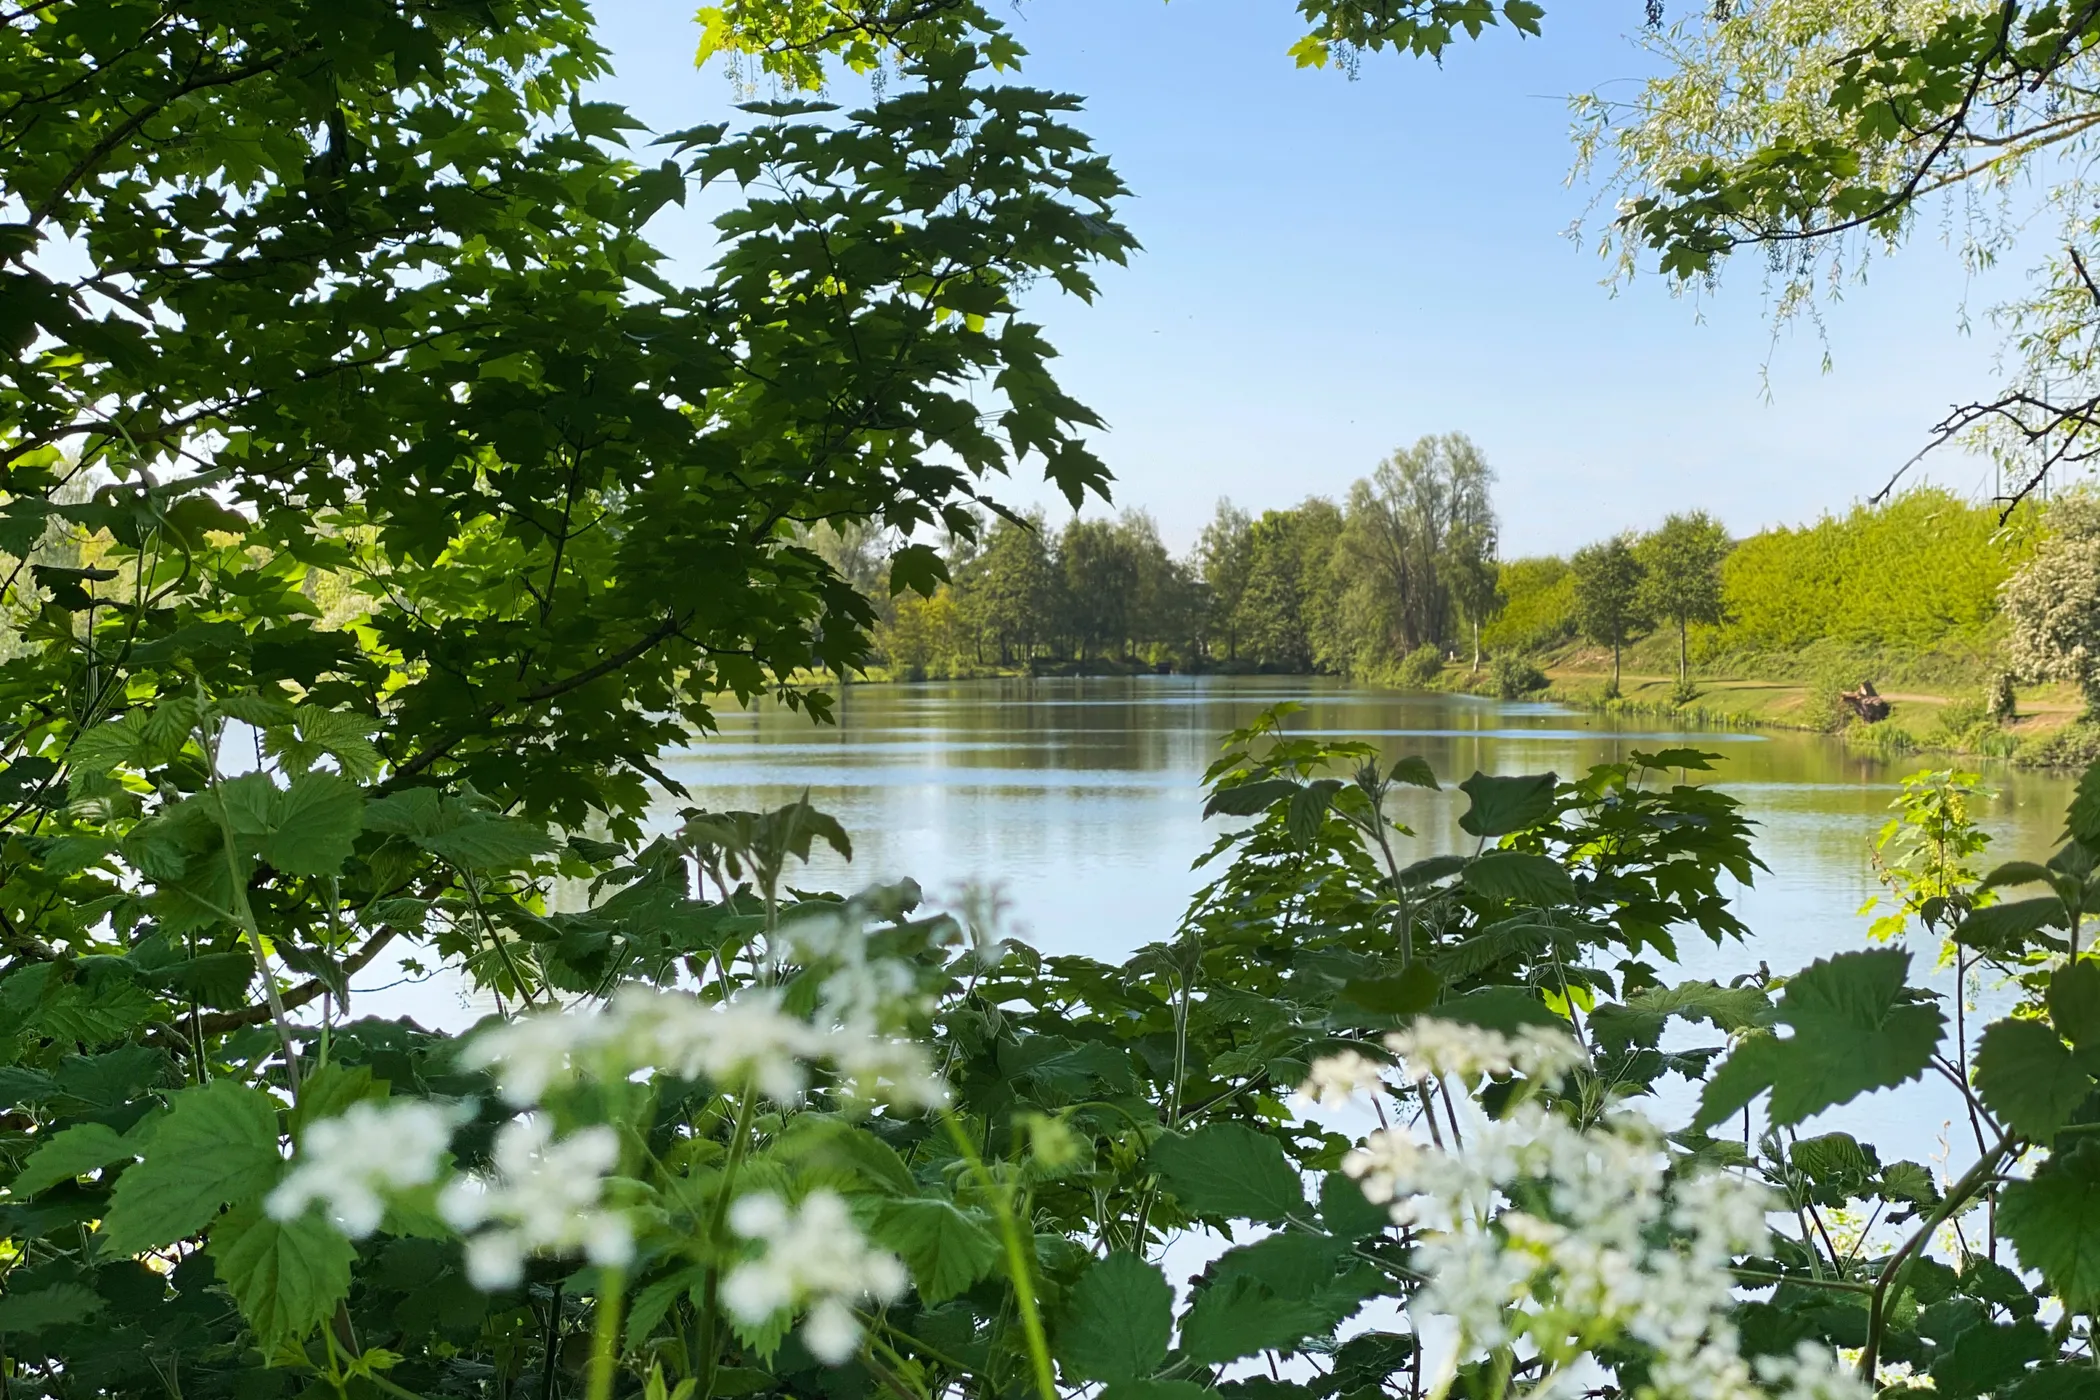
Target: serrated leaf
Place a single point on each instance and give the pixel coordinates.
(1248, 799)
(1241, 1316)
(216, 1147)
(945, 1250)
(1857, 1028)
(1503, 805)
(2028, 1078)
(1117, 1320)
(287, 1276)
(1229, 1170)
(1415, 771)
(1519, 877)
(314, 824)
(82, 1148)
(1502, 1009)
(2074, 1002)
(2053, 1221)
(1981, 1359)
(1308, 809)
(1998, 927)
(24, 1314)
(1347, 1212)
(490, 843)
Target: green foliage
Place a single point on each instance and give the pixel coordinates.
(1924, 854)
(1514, 677)
(1681, 576)
(1421, 667)
(1924, 568)
(1609, 588)
(1118, 1320)
(1538, 606)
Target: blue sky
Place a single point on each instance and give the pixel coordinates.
(1333, 268)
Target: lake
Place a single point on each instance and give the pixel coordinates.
(1081, 800)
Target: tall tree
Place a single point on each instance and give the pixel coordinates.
(1224, 554)
(1012, 588)
(1681, 577)
(1419, 525)
(1287, 613)
(1608, 578)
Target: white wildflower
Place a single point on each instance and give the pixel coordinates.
(747, 1039)
(813, 1256)
(544, 1196)
(1432, 1048)
(532, 1052)
(351, 1163)
(1336, 1079)
(1811, 1373)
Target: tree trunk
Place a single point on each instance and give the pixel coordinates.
(1476, 647)
(1614, 665)
(1683, 663)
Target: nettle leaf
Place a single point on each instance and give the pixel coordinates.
(491, 843)
(81, 1148)
(1982, 1359)
(1415, 771)
(1520, 878)
(216, 1147)
(1857, 1027)
(1117, 1320)
(287, 1276)
(2028, 1078)
(2053, 1221)
(26, 1313)
(1348, 1212)
(1502, 1009)
(1503, 805)
(1248, 799)
(945, 1249)
(1230, 1170)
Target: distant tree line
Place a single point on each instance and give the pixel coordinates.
(1405, 564)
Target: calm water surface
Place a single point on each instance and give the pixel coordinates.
(1081, 798)
(1081, 801)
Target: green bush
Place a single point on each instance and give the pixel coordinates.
(1420, 668)
(2076, 745)
(1514, 677)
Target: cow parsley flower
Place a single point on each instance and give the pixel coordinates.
(544, 1196)
(814, 1256)
(1334, 1080)
(749, 1039)
(1432, 1048)
(1561, 1239)
(351, 1163)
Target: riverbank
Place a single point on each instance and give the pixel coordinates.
(2044, 730)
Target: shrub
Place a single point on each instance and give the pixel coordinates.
(1420, 667)
(1514, 677)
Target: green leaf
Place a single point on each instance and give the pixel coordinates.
(81, 1148)
(1981, 1359)
(2028, 1078)
(2074, 1002)
(1415, 772)
(217, 1146)
(945, 1249)
(314, 824)
(1857, 1028)
(1503, 805)
(1230, 1170)
(1247, 799)
(490, 843)
(2053, 1221)
(55, 1305)
(1520, 877)
(287, 1276)
(1500, 1009)
(1241, 1316)
(1345, 1210)
(2002, 926)
(1414, 988)
(328, 1093)
(1308, 809)
(1117, 1321)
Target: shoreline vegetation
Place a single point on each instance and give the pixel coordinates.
(1974, 630)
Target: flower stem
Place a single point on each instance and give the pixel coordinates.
(1016, 1260)
(605, 1334)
